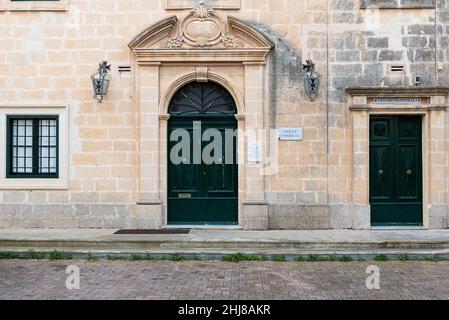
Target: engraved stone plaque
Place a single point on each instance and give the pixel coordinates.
(397, 100)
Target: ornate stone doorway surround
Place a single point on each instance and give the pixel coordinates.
(201, 46)
(429, 102)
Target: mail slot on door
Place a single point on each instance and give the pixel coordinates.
(184, 196)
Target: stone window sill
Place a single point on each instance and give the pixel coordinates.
(34, 184)
(8, 5)
(397, 4)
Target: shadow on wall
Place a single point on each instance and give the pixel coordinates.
(286, 71)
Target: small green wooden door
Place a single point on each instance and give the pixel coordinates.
(396, 180)
(201, 192)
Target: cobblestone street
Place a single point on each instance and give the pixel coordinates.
(26, 279)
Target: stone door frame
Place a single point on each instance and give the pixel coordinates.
(433, 109)
(154, 64)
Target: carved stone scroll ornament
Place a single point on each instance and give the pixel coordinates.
(202, 28)
(312, 80)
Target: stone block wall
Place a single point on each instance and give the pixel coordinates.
(48, 57)
(364, 45)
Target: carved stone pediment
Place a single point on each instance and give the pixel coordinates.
(201, 29)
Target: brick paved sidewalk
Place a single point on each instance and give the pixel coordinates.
(26, 279)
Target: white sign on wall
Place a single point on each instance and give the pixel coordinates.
(255, 152)
(290, 134)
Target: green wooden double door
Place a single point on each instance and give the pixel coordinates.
(200, 192)
(396, 171)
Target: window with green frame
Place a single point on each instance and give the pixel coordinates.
(32, 147)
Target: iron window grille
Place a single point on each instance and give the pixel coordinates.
(32, 147)
(197, 98)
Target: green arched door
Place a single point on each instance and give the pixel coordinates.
(202, 156)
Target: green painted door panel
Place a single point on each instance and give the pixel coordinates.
(394, 214)
(204, 193)
(396, 194)
(203, 211)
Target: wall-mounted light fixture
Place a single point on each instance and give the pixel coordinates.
(312, 80)
(101, 80)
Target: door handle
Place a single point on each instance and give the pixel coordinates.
(409, 172)
(381, 172)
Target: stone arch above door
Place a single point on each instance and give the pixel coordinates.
(199, 45)
(198, 98)
(202, 74)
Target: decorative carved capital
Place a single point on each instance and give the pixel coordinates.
(240, 117)
(164, 117)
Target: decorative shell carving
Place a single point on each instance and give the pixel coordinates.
(202, 12)
(202, 28)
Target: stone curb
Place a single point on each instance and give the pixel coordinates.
(211, 255)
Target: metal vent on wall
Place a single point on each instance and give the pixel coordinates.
(123, 69)
(397, 68)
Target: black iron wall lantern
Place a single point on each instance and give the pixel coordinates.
(311, 80)
(101, 80)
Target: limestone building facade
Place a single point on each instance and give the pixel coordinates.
(357, 140)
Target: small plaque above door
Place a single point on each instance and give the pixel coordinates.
(398, 100)
(212, 4)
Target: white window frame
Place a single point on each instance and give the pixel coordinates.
(8, 5)
(60, 183)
